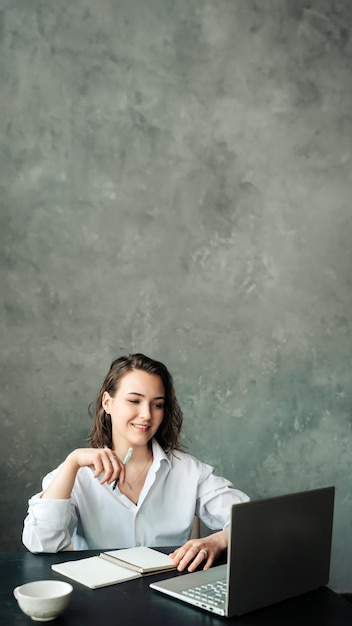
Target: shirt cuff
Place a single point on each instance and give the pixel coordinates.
(50, 513)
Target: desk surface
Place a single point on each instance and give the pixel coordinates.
(134, 603)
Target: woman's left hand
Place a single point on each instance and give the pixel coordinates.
(197, 552)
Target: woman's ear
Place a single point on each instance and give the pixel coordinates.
(106, 402)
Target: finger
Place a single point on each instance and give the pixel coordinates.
(97, 466)
(116, 466)
(110, 467)
(202, 557)
(122, 474)
(190, 554)
(198, 558)
(178, 554)
(106, 471)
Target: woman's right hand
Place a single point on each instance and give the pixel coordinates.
(103, 461)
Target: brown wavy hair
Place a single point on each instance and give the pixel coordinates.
(169, 430)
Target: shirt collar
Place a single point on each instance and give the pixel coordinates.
(158, 454)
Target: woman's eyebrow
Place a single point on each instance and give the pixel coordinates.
(135, 393)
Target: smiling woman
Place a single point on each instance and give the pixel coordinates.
(136, 410)
(168, 433)
(159, 490)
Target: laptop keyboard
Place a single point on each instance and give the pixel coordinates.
(213, 593)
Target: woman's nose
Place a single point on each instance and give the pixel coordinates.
(145, 411)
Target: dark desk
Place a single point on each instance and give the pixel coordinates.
(133, 603)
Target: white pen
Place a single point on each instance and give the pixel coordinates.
(125, 461)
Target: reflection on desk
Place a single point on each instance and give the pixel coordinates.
(133, 603)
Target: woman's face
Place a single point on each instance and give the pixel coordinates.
(137, 409)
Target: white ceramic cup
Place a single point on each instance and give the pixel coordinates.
(43, 600)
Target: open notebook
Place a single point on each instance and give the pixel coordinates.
(278, 548)
(114, 566)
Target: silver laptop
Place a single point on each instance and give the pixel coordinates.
(279, 547)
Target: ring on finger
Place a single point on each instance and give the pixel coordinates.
(204, 552)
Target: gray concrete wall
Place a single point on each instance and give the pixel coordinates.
(176, 180)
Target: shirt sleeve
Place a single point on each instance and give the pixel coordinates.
(50, 523)
(216, 496)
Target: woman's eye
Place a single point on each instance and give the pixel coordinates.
(134, 401)
(159, 406)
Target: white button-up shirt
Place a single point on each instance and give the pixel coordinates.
(177, 488)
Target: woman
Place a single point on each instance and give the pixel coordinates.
(158, 492)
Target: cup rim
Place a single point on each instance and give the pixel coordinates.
(66, 589)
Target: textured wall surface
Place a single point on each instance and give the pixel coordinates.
(176, 179)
